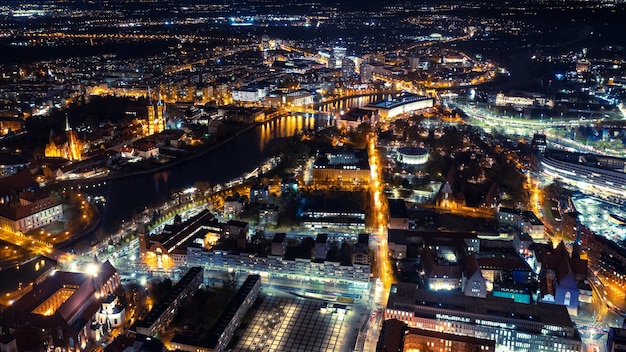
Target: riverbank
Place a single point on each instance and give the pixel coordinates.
(168, 165)
(200, 153)
(85, 232)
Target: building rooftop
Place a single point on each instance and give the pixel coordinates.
(76, 304)
(212, 338)
(237, 223)
(158, 310)
(356, 115)
(618, 334)
(279, 237)
(335, 159)
(182, 232)
(400, 236)
(397, 208)
(391, 336)
(413, 150)
(402, 99)
(456, 303)
(451, 337)
(531, 217)
(345, 202)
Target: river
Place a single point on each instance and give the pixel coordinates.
(132, 194)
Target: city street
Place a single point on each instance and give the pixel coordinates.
(36, 246)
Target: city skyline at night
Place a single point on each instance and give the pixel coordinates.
(327, 175)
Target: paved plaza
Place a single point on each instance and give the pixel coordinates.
(294, 324)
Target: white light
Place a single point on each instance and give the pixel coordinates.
(92, 269)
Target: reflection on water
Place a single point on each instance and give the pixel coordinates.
(292, 125)
(130, 195)
(346, 104)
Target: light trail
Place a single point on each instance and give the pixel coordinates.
(379, 220)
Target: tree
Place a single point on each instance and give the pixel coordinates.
(158, 291)
(100, 235)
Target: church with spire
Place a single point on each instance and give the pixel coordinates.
(67, 146)
(156, 115)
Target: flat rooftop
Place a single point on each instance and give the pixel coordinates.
(404, 98)
(357, 158)
(160, 308)
(490, 307)
(229, 313)
(531, 217)
(451, 337)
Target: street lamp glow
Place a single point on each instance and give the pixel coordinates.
(92, 269)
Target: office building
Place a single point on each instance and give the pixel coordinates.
(23, 206)
(523, 220)
(397, 214)
(337, 212)
(168, 246)
(396, 336)
(341, 166)
(352, 119)
(513, 326)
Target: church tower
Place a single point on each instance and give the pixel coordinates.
(70, 149)
(74, 146)
(151, 114)
(160, 116)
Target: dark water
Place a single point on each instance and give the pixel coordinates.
(131, 195)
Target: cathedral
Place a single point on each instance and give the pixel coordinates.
(70, 148)
(156, 116)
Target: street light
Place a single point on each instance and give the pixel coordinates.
(92, 269)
